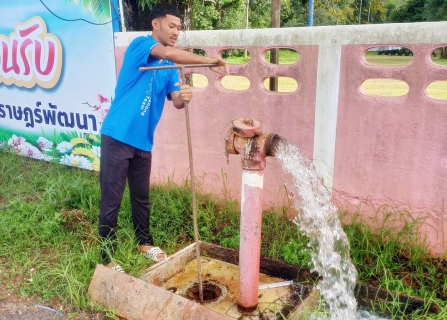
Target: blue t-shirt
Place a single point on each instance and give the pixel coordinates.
(139, 96)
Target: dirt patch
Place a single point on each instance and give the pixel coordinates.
(15, 308)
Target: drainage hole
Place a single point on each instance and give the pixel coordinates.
(211, 292)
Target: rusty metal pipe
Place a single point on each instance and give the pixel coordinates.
(179, 66)
(254, 150)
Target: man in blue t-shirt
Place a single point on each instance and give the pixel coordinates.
(127, 134)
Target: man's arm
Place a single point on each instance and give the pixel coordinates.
(182, 96)
(180, 56)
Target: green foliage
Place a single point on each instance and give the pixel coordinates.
(259, 15)
(222, 14)
(333, 12)
(411, 11)
(205, 15)
(370, 11)
(420, 10)
(231, 14)
(293, 13)
(436, 10)
(147, 3)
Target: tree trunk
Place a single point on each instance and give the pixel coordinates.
(131, 15)
(360, 12)
(443, 53)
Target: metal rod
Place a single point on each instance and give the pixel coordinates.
(193, 191)
(180, 66)
(275, 285)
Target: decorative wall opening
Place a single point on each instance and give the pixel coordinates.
(437, 90)
(236, 56)
(384, 87)
(439, 56)
(283, 56)
(285, 84)
(200, 52)
(388, 55)
(199, 81)
(236, 83)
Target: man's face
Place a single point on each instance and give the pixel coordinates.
(167, 29)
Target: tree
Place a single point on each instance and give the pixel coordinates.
(99, 8)
(436, 10)
(422, 10)
(333, 12)
(293, 13)
(368, 11)
(205, 15)
(411, 11)
(131, 14)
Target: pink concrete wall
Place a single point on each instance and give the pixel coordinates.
(393, 151)
(289, 114)
(368, 150)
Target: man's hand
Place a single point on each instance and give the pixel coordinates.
(185, 93)
(182, 96)
(223, 68)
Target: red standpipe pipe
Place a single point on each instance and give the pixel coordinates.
(250, 239)
(254, 149)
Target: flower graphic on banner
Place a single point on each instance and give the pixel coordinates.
(64, 147)
(102, 107)
(76, 161)
(20, 146)
(96, 151)
(44, 144)
(72, 149)
(81, 150)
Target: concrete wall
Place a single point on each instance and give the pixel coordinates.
(368, 150)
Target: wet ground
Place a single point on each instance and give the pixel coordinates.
(225, 276)
(19, 310)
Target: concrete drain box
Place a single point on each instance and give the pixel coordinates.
(167, 289)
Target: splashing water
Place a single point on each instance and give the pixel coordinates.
(318, 219)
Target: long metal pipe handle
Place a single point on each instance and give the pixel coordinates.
(180, 66)
(191, 163)
(193, 191)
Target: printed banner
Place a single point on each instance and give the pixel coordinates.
(57, 78)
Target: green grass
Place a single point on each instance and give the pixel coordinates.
(396, 88)
(237, 56)
(48, 228)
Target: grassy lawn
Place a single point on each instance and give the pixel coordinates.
(49, 243)
(395, 88)
(374, 87)
(375, 58)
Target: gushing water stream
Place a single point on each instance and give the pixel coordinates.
(318, 219)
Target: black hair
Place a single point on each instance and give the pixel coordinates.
(161, 10)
